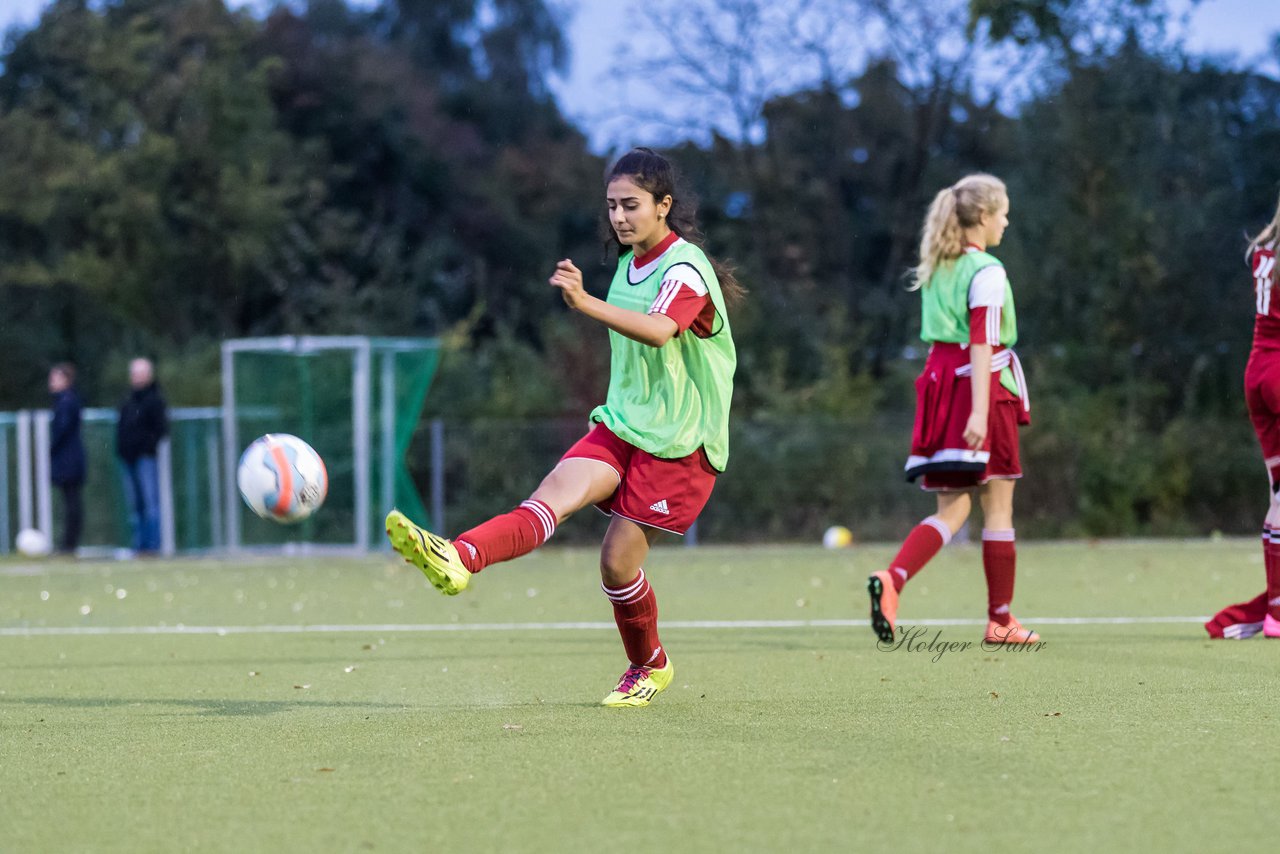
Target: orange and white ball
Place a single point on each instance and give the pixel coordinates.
(282, 478)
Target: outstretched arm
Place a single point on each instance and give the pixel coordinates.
(651, 329)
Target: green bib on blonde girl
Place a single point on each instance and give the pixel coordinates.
(674, 399)
(944, 310)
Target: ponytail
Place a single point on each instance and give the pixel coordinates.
(954, 209)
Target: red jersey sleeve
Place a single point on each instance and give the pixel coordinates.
(986, 300)
(683, 297)
(984, 325)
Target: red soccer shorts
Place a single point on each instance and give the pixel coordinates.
(1004, 463)
(663, 494)
(1262, 394)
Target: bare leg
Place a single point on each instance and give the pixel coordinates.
(953, 509)
(626, 545)
(574, 484)
(996, 497)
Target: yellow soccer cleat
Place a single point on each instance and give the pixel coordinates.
(639, 685)
(435, 556)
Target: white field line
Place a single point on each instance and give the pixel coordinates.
(68, 631)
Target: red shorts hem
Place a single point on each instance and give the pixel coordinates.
(667, 494)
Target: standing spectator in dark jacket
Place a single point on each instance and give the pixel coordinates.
(144, 421)
(66, 452)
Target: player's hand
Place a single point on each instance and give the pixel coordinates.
(975, 430)
(568, 279)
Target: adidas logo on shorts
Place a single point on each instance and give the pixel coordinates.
(660, 507)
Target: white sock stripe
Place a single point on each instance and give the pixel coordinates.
(939, 526)
(544, 514)
(636, 598)
(1004, 535)
(623, 599)
(623, 591)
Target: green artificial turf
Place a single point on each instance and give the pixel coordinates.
(363, 735)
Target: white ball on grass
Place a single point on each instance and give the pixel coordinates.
(32, 543)
(837, 537)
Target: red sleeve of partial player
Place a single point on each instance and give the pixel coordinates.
(688, 308)
(984, 325)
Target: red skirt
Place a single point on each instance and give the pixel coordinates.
(944, 400)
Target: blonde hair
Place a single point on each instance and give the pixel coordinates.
(1270, 234)
(954, 209)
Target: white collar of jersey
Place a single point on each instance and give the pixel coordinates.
(636, 275)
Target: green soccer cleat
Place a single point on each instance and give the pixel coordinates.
(435, 556)
(639, 685)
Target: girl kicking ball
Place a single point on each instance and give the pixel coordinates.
(657, 443)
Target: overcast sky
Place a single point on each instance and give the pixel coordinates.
(1243, 28)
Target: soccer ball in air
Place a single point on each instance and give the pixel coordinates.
(837, 537)
(282, 478)
(32, 542)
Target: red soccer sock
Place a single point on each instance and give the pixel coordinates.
(507, 536)
(999, 562)
(635, 610)
(1271, 560)
(924, 541)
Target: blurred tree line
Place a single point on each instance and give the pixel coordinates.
(174, 172)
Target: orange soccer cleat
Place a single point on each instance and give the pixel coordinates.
(884, 605)
(1013, 633)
